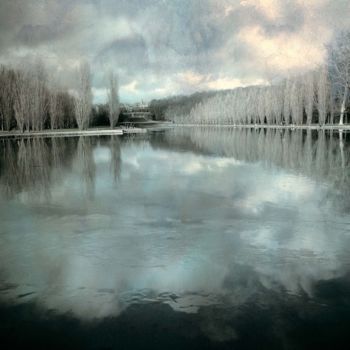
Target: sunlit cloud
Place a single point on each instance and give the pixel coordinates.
(283, 51)
(191, 77)
(272, 9)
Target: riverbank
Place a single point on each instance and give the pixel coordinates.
(262, 126)
(134, 130)
(73, 132)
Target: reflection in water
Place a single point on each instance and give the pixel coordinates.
(210, 222)
(315, 153)
(115, 157)
(87, 164)
(32, 166)
(26, 167)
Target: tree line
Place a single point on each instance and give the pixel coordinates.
(303, 99)
(320, 96)
(167, 108)
(32, 100)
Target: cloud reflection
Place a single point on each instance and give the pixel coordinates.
(214, 224)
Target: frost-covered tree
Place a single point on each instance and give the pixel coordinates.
(22, 100)
(28, 99)
(6, 97)
(113, 99)
(309, 95)
(39, 95)
(55, 108)
(296, 101)
(340, 69)
(287, 100)
(83, 101)
(322, 94)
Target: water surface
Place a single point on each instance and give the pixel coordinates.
(184, 238)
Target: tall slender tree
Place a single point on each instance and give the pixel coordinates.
(322, 94)
(309, 96)
(83, 101)
(340, 69)
(113, 99)
(6, 97)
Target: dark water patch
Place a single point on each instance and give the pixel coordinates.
(6, 287)
(20, 296)
(281, 324)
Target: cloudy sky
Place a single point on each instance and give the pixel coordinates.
(169, 47)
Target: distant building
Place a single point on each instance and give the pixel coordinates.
(135, 106)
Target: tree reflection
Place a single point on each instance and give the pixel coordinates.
(27, 167)
(318, 154)
(32, 164)
(115, 165)
(87, 164)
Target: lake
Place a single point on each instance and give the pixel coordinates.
(186, 238)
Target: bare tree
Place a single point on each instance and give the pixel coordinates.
(287, 101)
(55, 105)
(28, 98)
(340, 69)
(113, 99)
(322, 94)
(55, 111)
(67, 107)
(83, 101)
(38, 93)
(297, 101)
(21, 97)
(309, 96)
(6, 97)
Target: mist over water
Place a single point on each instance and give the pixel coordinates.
(240, 231)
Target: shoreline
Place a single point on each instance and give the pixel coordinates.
(134, 130)
(262, 126)
(72, 132)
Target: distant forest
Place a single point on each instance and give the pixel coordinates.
(320, 96)
(167, 108)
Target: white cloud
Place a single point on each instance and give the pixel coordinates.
(131, 87)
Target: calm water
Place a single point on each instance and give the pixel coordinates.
(185, 238)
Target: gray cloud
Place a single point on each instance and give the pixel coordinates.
(163, 47)
(119, 52)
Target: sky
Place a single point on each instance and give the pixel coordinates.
(162, 48)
